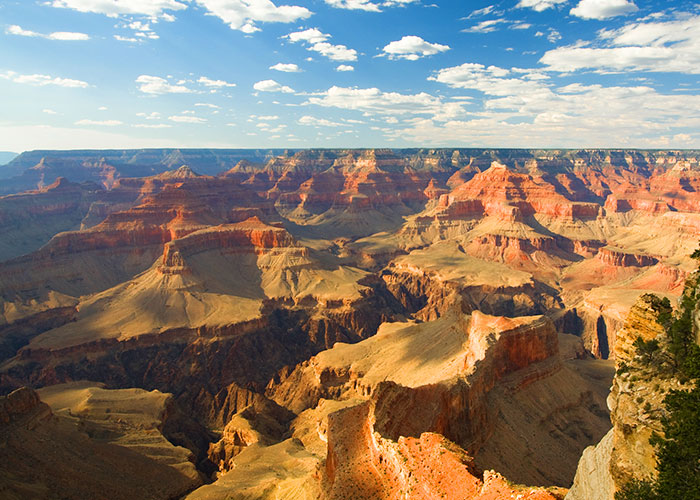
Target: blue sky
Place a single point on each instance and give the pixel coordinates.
(349, 73)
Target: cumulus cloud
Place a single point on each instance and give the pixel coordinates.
(491, 80)
(658, 46)
(141, 31)
(318, 122)
(580, 116)
(374, 101)
(367, 5)
(156, 85)
(186, 119)
(207, 105)
(539, 5)
(114, 8)
(311, 35)
(49, 111)
(149, 116)
(286, 67)
(56, 35)
(42, 80)
(412, 47)
(345, 67)
(316, 41)
(272, 86)
(104, 123)
(243, 14)
(602, 9)
(208, 82)
(522, 107)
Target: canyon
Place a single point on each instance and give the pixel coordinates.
(333, 323)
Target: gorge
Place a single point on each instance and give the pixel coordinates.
(423, 323)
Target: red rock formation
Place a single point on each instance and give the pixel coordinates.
(363, 464)
(501, 191)
(619, 258)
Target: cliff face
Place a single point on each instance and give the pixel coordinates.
(362, 463)
(87, 457)
(636, 403)
(456, 390)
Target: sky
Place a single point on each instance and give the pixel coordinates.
(349, 73)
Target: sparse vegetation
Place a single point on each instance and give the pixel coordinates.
(678, 448)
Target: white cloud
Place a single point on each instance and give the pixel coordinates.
(102, 108)
(127, 39)
(316, 41)
(157, 85)
(412, 47)
(367, 5)
(56, 35)
(243, 14)
(553, 36)
(481, 12)
(186, 119)
(374, 101)
(487, 26)
(286, 67)
(657, 46)
(149, 116)
(208, 82)
(602, 9)
(152, 125)
(114, 8)
(521, 107)
(272, 86)
(42, 80)
(105, 123)
(142, 31)
(572, 116)
(17, 30)
(68, 36)
(490, 80)
(49, 111)
(354, 5)
(311, 35)
(269, 128)
(539, 5)
(267, 118)
(345, 67)
(318, 122)
(334, 52)
(207, 105)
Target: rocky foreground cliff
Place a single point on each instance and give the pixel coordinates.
(653, 401)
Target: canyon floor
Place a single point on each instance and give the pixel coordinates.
(324, 323)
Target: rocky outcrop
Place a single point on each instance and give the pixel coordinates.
(641, 322)
(636, 408)
(453, 391)
(619, 258)
(593, 479)
(22, 407)
(45, 454)
(364, 464)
